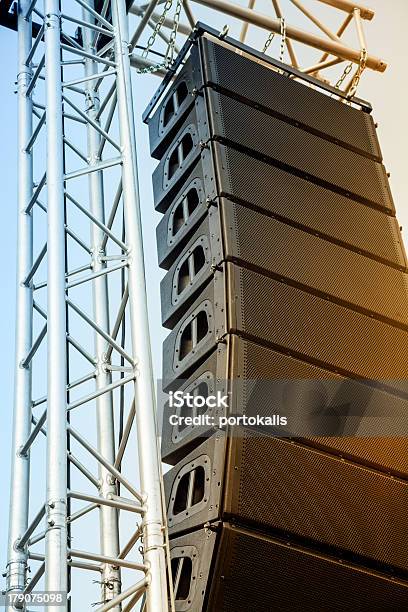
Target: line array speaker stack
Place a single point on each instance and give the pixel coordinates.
(284, 262)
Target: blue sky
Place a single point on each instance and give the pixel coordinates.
(387, 93)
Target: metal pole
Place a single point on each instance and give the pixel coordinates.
(20, 474)
(149, 466)
(56, 496)
(109, 526)
(274, 25)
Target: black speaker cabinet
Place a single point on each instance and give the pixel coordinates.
(287, 318)
(285, 290)
(285, 487)
(224, 171)
(231, 569)
(231, 232)
(224, 68)
(222, 118)
(342, 416)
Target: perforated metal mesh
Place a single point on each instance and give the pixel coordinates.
(308, 154)
(314, 495)
(263, 575)
(316, 263)
(311, 206)
(320, 330)
(293, 99)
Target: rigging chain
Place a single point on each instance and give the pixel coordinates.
(169, 55)
(283, 39)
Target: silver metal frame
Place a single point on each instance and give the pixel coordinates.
(115, 248)
(96, 97)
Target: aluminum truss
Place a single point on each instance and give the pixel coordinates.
(76, 120)
(88, 318)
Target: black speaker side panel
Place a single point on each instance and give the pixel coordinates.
(183, 151)
(255, 572)
(196, 335)
(193, 487)
(292, 100)
(179, 439)
(298, 151)
(192, 557)
(192, 269)
(184, 213)
(308, 205)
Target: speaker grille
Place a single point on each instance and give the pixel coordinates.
(256, 573)
(316, 496)
(278, 93)
(321, 330)
(314, 263)
(306, 153)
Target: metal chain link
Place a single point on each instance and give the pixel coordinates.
(169, 55)
(345, 74)
(283, 39)
(357, 77)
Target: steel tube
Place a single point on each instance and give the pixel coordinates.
(87, 24)
(291, 50)
(84, 54)
(103, 165)
(111, 503)
(37, 342)
(90, 77)
(100, 331)
(93, 451)
(130, 543)
(84, 470)
(136, 589)
(35, 265)
(37, 130)
(244, 27)
(20, 466)
(31, 528)
(348, 6)
(94, 124)
(75, 149)
(273, 25)
(100, 391)
(81, 349)
(34, 433)
(82, 554)
(315, 20)
(36, 193)
(149, 466)
(125, 436)
(35, 76)
(94, 275)
(35, 579)
(56, 498)
(143, 22)
(101, 225)
(76, 515)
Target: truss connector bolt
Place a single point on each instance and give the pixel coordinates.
(203, 144)
(210, 202)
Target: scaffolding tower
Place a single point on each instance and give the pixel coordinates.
(82, 331)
